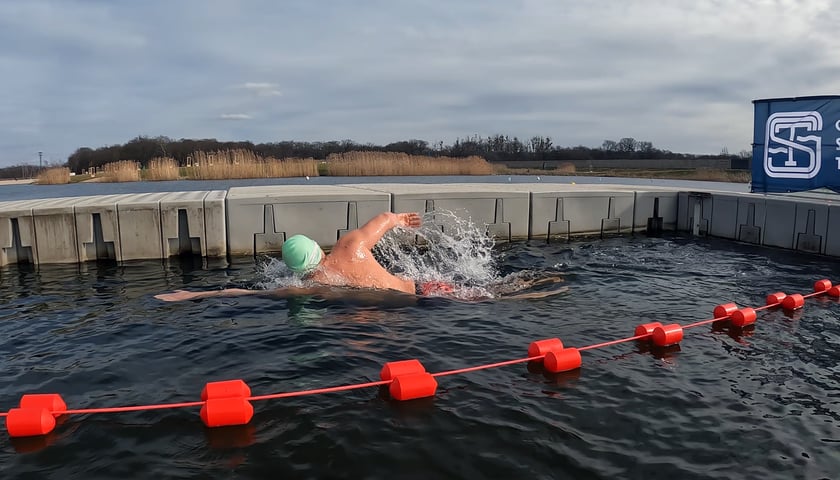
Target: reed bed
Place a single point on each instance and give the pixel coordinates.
(401, 164)
(122, 171)
(702, 174)
(54, 176)
(162, 168)
(231, 164)
(561, 169)
(740, 176)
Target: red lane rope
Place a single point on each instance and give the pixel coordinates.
(135, 408)
(489, 365)
(615, 342)
(299, 393)
(704, 322)
(356, 386)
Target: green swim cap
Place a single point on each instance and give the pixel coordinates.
(301, 253)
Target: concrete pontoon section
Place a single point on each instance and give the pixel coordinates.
(55, 231)
(655, 211)
(775, 221)
(17, 232)
(261, 218)
(97, 227)
(140, 226)
(192, 223)
(257, 220)
(558, 211)
(694, 212)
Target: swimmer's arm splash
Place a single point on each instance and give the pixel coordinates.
(373, 230)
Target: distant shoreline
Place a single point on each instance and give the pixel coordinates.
(17, 182)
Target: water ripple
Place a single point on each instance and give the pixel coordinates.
(727, 403)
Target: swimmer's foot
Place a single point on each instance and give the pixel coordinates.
(533, 295)
(546, 281)
(510, 286)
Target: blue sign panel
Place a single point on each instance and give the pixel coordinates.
(796, 144)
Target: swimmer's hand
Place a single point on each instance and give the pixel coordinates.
(410, 220)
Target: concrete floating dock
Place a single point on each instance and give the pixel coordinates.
(257, 220)
(261, 218)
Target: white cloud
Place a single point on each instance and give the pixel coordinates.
(235, 116)
(262, 89)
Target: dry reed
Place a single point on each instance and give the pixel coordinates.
(162, 168)
(122, 171)
(565, 168)
(231, 164)
(701, 174)
(401, 164)
(712, 175)
(54, 176)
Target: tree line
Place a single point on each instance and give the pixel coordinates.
(494, 148)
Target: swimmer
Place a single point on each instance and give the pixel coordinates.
(374, 297)
(351, 266)
(350, 263)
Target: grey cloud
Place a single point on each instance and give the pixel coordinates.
(681, 75)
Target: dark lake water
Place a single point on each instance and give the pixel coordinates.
(28, 192)
(757, 404)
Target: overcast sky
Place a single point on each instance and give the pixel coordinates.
(681, 74)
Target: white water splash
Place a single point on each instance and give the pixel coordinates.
(276, 274)
(446, 247)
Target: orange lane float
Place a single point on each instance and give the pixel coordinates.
(743, 317)
(793, 302)
(775, 298)
(822, 285)
(409, 380)
(413, 386)
(29, 422)
(724, 310)
(667, 335)
(228, 403)
(539, 348)
(563, 360)
(646, 329)
(391, 370)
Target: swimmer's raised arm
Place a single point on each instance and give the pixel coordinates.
(375, 228)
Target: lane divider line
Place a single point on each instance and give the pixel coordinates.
(228, 402)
